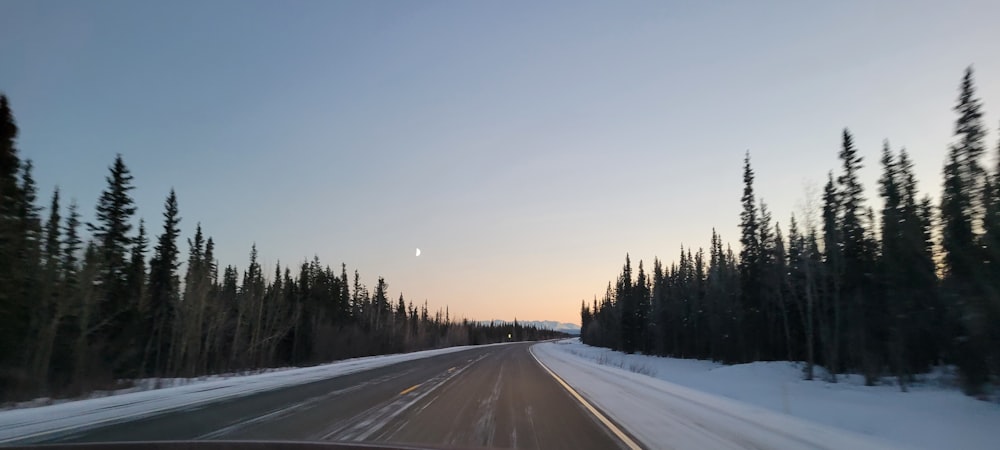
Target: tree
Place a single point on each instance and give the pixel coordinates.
(642, 337)
(628, 309)
(50, 308)
(11, 199)
(136, 278)
(111, 232)
(990, 243)
(163, 292)
(750, 257)
(829, 317)
(116, 308)
(963, 285)
(892, 264)
(71, 244)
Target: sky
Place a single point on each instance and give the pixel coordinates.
(525, 147)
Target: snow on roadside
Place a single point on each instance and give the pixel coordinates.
(28, 424)
(139, 385)
(847, 414)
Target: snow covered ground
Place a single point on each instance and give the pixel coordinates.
(30, 423)
(678, 403)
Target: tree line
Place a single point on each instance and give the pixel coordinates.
(881, 293)
(79, 313)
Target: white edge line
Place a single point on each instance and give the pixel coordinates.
(621, 435)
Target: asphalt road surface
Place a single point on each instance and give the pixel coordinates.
(495, 396)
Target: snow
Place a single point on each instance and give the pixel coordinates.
(138, 385)
(679, 403)
(33, 424)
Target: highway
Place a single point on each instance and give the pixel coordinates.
(493, 396)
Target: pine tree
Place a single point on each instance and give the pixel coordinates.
(71, 244)
(628, 310)
(750, 263)
(864, 310)
(893, 264)
(163, 292)
(137, 267)
(642, 336)
(116, 308)
(11, 199)
(964, 284)
(29, 248)
(10, 164)
(13, 307)
(990, 242)
(831, 308)
(50, 308)
(53, 250)
(111, 232)
(801, 288)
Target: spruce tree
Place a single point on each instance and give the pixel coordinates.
(831, 282)
(642, 338)
(628, 310)
(991, 245)
(53, 250)
(11, 198)
(111, 232)
(964, 285)
(71, 243)
(137, 266)
(13, 306)
(163, 291)
(750, 256)
(893, 263)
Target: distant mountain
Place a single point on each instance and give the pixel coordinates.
(568, 328)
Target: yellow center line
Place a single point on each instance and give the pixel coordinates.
(409, 389)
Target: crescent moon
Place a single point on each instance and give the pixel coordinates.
(418, 252)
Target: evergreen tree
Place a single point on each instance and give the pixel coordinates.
(964, 285)
(11, 199)
(628, 309)
(116, 308)
(163, 291)
(892, 265)
(111, 232)
(29, 248)
(856, 253)
(990, 243)
(829, 317)
(750, 264)
(71, 243)
(49, 308)
(642, 337)
(53, 250)
(10, 167)
(137, 267)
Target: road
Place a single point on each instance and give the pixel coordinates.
(494, 396)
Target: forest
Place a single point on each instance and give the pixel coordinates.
(87, 306)
(888, 294)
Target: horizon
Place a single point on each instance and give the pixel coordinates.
(525, 151)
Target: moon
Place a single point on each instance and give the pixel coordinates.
(418, 252)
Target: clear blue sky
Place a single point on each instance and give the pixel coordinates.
(525, 147)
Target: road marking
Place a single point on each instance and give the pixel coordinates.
(364, 425)
(621, 435)
(409, 389)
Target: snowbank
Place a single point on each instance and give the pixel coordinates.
(29, 424)
(771, 395)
